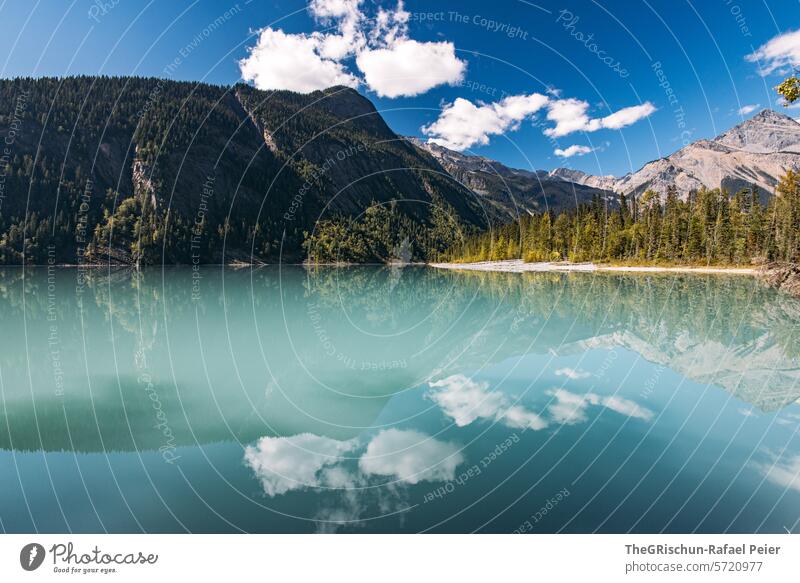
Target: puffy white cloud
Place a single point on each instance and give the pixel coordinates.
(301, 461)
(745, 109)
(294, 62)
(521, 418)
(406, 67)
(410, 456)
(571, 115)
(572, 373)
(570, 408)
(784, 473)
(347, 10)
(348, 19)
(463, 124)
(626, 407)
(465, 401)
(390, 25)
(625, 116)
(778, 55)
(572, 151)
(392, 64)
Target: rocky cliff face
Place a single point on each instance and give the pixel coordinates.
(765, 133)
(578, 177)
(753, 154)
(508, 192)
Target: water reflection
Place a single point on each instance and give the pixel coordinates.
(281, 352)
(346, 396)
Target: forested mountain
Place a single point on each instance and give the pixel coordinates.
(143, 171)
(137, 170)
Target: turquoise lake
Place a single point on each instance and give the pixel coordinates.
(377, 399)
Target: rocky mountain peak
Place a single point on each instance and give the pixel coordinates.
(752, 154)
(771, 116)
(766, 132)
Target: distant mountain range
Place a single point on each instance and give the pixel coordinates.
(753, 154)
(133, 170)
(510, 191)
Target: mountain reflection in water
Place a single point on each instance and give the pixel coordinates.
(390, 399)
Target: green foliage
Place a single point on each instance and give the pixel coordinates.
(710, 227)
(789, 89)
(152, 171)
(384, 234)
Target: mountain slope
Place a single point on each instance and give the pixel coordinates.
(509, 192)
(753, 154)
(150, 171)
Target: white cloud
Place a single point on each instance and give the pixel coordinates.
(347, 18)
(407, 67)
(626, 116)
(570, 408)
(392, 64)
(463, 124)
(745, 109)
(334, 9)
(465, 401)
(572, 373)
(521, 418)
(294, 62)
(572, 151)
(778, 55)
(626, 407)
(571, 115)
(785, 474)
(294, 463)
(410, 456)
(390, 25)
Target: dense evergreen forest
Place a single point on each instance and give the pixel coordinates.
(710, 227)
(152, 171)
(384, 234)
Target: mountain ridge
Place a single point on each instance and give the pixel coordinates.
(752, 154)
(509, 192)
(143, 170)
(138, 170)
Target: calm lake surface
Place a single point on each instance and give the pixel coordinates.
(396, 400)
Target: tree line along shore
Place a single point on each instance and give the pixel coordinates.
(710, 228)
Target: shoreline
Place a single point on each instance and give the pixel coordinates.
(519, 266)
(504, 266)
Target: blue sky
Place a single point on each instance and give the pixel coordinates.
(536, 54)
